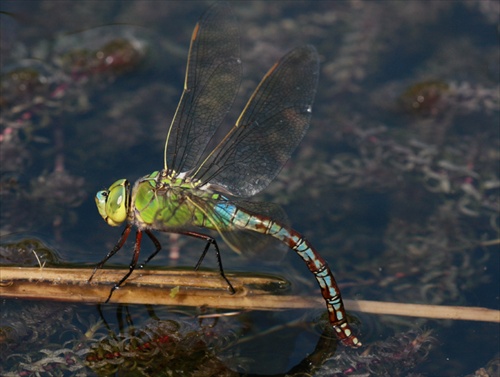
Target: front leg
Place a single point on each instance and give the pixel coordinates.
(133, 263)
(114, 250)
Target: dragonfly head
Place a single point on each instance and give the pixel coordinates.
(113, 203)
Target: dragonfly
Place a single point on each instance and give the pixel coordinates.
(205, 184)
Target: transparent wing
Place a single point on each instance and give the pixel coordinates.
(269, 129)
(213, 75)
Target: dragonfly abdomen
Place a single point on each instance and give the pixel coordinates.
(329, 288)
(316, 264)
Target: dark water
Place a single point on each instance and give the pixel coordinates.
(396, 183)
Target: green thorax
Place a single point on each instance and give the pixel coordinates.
(168, 202)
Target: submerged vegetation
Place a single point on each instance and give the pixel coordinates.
(397, 182)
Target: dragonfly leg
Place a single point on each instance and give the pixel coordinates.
(133, 263)
(157, 245)
(114, 250)
(202, 256)
(210, 241)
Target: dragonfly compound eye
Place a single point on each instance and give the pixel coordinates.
(100, 200)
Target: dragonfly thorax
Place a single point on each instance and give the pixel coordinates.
(164, 202)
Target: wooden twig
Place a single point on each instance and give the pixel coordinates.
(189, 288)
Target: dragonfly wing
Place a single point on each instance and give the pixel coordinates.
(213, 75)
(269, 129)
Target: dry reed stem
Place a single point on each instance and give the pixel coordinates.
(189, 288)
